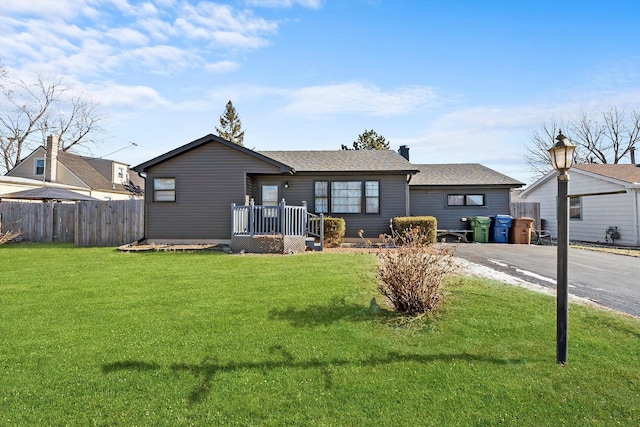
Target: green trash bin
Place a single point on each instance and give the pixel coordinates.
(480, 226)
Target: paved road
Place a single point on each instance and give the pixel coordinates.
(607, 279)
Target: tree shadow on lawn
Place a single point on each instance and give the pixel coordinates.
(336, 310)
(207, 370)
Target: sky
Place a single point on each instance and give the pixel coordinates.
(456, 81)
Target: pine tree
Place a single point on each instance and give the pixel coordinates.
(369, 140)
(231, 126)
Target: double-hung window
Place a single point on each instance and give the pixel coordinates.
(164, 189)
(347, 197)
(575, 207)
(39, 167)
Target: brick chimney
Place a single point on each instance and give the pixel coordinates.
(51, 162)
(404, 151)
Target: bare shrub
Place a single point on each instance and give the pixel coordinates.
(411, 272)
(8, 236)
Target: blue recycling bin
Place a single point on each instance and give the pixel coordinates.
(500, 225)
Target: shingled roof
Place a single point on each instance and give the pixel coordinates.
(627, 173)
(461, 174)
(94, 179)
(343, 161)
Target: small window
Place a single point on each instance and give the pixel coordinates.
(372, 197)
(39, 166)
(575, 207)
(455, 200)
(121, 173)
(465, 200)
(164, 189)
(321, 196)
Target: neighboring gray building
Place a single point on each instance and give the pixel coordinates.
(451, 192)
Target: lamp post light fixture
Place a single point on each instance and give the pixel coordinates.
(562, 159)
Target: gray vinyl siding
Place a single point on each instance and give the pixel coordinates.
(208, 180)
(393, 200)
(433, 201)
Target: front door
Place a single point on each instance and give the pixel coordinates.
(269, 195)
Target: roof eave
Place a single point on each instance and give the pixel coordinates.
(142, 167)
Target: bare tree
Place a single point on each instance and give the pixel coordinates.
(30, 111)
(606, 137)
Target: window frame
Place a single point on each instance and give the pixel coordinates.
(573, 207)
(167, 191)
(326, 202)
(465, 200)
(35, 166)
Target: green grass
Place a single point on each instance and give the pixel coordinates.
(91, 336)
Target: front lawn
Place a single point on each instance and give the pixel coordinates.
(92, 336)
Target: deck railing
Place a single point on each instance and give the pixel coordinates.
(252, 220)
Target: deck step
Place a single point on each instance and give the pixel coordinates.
(312, 244)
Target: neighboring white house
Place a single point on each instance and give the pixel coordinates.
(591, 215)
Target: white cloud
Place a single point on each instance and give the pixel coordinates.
(50, 9)
(355, 97)
(113, 95)
(221, 66)
(222, 27)
(163, 36)
(311, 4)
(127, 36)
(161, 59)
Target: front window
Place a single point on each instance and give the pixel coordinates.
(39, 166)
(164, 189)
(121, 173)
(465, 200)
(575, 208)
(344, 197)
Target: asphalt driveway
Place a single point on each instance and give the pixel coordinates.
(608, 279)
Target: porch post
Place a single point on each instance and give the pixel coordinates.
(283, 220)
(251, 203)
(233, 219)
(321, 231)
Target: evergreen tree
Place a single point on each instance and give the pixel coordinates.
(231, 126)
(369, 140)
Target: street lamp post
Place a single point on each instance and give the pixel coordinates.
(562, 158)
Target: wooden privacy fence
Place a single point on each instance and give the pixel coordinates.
(86, 223)
(528, 210)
